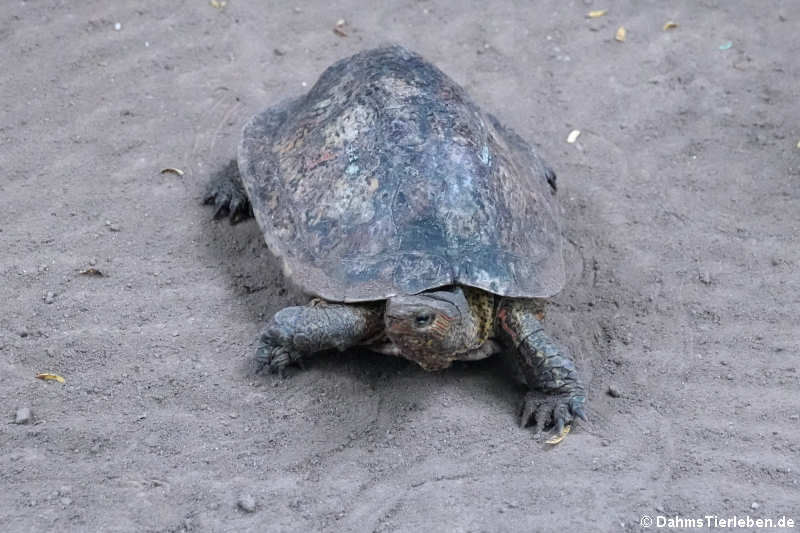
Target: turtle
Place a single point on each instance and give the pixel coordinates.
(420, 225)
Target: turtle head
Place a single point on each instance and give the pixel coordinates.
(429, 328)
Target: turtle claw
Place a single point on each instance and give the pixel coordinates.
(276, 358)
(221, 208)
(576, 405)
(559, 424)
(555, 411)
(240, 210)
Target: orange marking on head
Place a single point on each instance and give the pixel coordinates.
(441, 324)
(503, 316)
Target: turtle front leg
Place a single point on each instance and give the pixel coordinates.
(297, 332)
(546, 367)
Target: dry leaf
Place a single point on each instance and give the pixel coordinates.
(50, 377)
(219, 4)
(338, 29)
(171, 170)
(596, 13)
(91, 272)
(621, 34)
(555, 439)
(670, 25)
(573, 136)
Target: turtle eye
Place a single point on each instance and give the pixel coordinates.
(423, 319)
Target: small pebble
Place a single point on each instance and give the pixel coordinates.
(23, 415)
(49, 297)
(246, 503)
(151, 440)
(117, 26)
(613, 391)
(705, 278)
(66, 501)
(755, 505)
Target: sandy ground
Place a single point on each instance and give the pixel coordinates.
(681, 214)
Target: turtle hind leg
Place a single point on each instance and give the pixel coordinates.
(226, 193)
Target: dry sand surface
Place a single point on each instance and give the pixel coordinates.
(681, 206)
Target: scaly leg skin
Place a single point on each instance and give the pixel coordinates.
(226, 192)
(546, 367)
(295, 333)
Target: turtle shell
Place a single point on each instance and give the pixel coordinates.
(386, 179)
